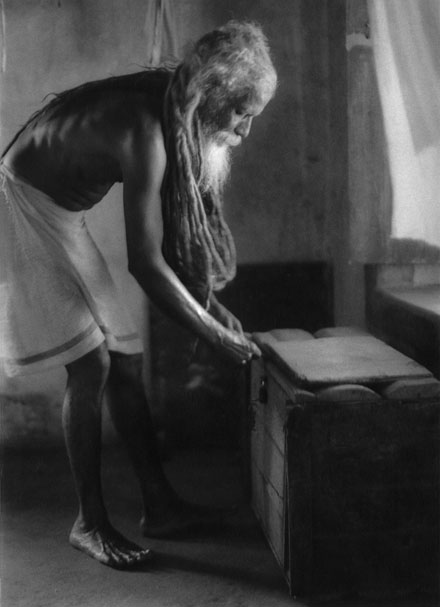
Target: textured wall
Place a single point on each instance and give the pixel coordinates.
(278, 200)
(279, 203)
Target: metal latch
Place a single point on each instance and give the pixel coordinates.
(262, 391)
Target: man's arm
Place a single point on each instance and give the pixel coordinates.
(143, 162)
(223, 315)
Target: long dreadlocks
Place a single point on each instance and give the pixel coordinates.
(226, 65)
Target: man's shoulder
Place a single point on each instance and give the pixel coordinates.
(138, 128)
(124, 116)
(138, 117)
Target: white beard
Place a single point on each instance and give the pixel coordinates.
(216, 166)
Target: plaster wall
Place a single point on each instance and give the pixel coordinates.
(277, 200)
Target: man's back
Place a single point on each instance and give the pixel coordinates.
(71, 150)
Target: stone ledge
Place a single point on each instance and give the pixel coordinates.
(403, 309)
(423, 300)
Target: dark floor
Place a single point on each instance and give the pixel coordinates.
(228, 567)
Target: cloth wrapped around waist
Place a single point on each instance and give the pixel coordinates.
(58, 300)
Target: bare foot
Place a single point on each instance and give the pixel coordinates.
(108, 546)
(182, 517)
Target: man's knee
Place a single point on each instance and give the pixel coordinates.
(92, 368)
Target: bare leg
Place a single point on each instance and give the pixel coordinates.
(92, 532)
(165, 513)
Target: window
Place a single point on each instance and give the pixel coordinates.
(406, 42)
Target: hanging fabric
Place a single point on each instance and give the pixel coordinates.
(160, 31)
(406, 42)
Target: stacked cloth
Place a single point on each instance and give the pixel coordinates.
(58, 300)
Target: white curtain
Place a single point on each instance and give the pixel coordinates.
(161, 32)
(406, 42)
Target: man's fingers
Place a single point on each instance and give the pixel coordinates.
(238, 327)
(241, 348)
(234, 325)
(253, 351)
(256, 352)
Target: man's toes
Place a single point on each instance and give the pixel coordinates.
(126, 557)
(135, 552)
(110, 548)
(116, 559)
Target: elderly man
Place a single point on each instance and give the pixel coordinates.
(166, 136)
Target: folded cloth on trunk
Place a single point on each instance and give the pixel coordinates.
(58, 300)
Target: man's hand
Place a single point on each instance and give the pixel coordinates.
(224, 316)
(233, 342)
(237, 347)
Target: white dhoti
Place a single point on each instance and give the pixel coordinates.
(58, 300)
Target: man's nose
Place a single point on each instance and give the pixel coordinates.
(244, 127)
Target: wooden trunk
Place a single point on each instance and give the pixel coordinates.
(345, 477)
